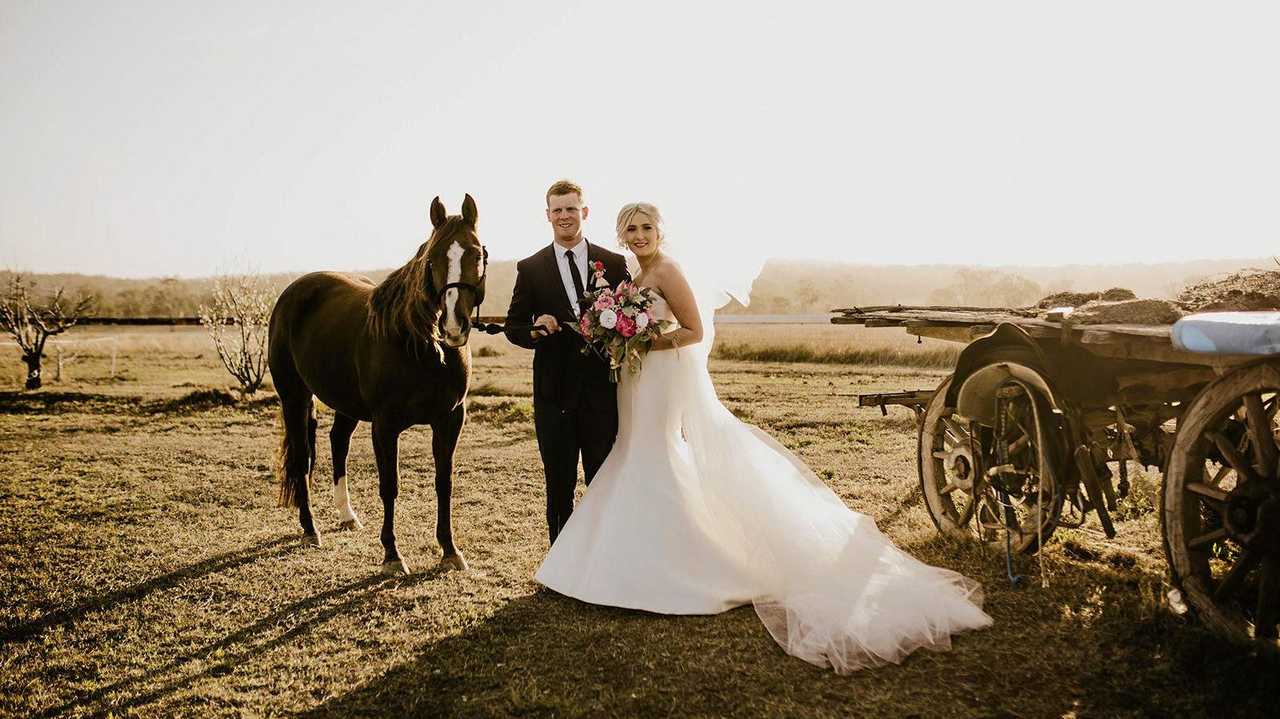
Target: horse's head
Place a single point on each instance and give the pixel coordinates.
(458, 265)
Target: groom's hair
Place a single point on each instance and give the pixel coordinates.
(563, 187)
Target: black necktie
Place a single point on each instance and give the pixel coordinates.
(577, 277)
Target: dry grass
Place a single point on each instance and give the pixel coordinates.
(146, 570)
(832, 344)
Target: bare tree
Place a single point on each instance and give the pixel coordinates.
(237, 323)
(32, 323)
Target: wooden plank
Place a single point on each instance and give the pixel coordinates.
(950, 333)
(934, 308)
(910, 398)
(1157, 351)
(1166, 380)
(1164, 332)
(960, 318)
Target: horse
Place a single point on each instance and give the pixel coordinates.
(395, 355)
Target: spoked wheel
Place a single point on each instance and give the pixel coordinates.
(1222, 505)
(1022, 496)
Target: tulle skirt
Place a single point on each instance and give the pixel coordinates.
(696, 512)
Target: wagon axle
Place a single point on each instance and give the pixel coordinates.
(1252, 517)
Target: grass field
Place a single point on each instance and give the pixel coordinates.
(147, 571)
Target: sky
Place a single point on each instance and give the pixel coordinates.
(180, 138)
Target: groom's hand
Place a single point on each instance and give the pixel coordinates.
(548, 325)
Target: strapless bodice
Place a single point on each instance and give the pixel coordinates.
(662, 311)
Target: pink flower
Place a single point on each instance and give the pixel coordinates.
(626, 326)
(584, 323)
(605, 301)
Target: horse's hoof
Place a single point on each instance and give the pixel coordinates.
(351, 525)
(395, 569)
(311, 540)
(454, 563)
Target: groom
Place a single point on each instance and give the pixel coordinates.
(575, 407)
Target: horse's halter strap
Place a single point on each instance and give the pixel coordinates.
(475, 288)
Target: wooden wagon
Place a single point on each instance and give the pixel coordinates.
(1022, 437)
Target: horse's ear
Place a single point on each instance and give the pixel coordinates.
(469, 210)
(437, 212)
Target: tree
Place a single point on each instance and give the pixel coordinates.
(987, 288)
(31, 324)
(808, 297)
(237, 323)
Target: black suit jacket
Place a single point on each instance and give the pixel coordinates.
(561, 372)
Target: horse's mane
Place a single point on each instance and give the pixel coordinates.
(401, 306)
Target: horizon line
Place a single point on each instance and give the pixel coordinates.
(814, 260)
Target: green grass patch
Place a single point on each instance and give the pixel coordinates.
(502, 412)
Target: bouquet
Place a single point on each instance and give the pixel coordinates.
(619, 324)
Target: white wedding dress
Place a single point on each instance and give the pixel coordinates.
(696, 512)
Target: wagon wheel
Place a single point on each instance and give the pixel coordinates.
(963, 505)
(1221, 501)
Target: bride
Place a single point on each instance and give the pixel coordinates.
(696, 512)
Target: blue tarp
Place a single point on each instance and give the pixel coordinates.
(1239, 333)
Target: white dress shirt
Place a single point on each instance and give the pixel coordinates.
(580, 259)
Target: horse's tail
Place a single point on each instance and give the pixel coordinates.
(297, 453)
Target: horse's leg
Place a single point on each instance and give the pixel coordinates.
(298, 414)
(444, 439)
(386, 448)
(340, 443)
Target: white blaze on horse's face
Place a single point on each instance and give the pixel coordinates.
(452, 322)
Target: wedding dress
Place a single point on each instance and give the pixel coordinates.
(697, 512)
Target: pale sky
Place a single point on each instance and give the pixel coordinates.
(189, 138)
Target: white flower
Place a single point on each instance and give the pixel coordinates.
(642, 320)
(608, 319)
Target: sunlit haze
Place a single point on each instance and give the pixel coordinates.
(188, 138)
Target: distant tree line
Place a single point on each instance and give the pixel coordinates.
(784, 287)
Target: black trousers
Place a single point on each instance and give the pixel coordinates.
(587, 429)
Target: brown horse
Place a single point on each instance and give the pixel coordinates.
(394, 355)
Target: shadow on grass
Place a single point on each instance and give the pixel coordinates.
(1089, 646)
(194, 402)
(238, 647)
(212, 565)
(913, 499)
(49, 402)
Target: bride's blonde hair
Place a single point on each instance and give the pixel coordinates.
(628, 212)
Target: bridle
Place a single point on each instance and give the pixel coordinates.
(492, 328)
